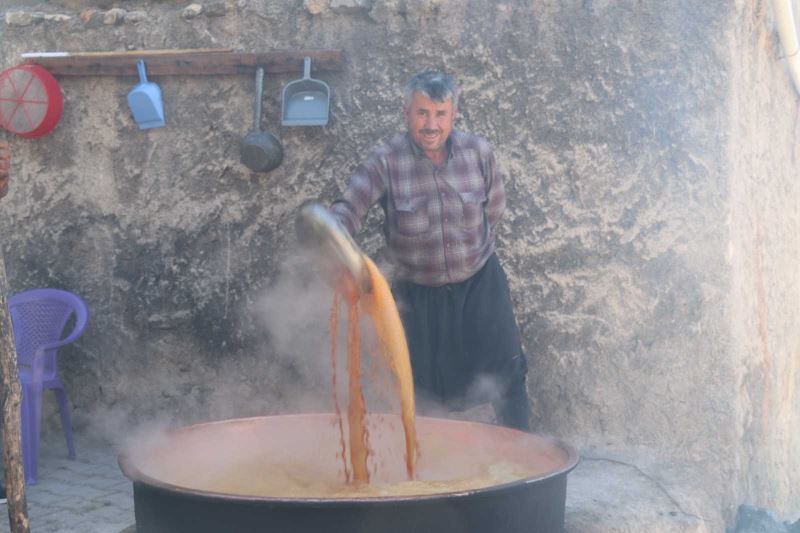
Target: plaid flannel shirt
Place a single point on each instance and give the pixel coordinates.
(438, 219)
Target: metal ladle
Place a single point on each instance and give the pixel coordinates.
(260, 150)
(318, 228)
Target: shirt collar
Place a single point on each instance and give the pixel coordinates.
(450, 144)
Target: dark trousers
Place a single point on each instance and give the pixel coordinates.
(465, 344)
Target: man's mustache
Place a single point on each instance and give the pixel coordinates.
(430, 132)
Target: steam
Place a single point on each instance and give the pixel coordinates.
(116, 425)
(475, 407)
(290, 370)
(295, 312)
(485, 390)
(294, 315)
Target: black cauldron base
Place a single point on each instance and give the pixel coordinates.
(531, 505)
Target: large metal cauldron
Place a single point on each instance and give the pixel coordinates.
(223, 477)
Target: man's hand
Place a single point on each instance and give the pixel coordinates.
(5, 165)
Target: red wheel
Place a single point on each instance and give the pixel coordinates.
(30, 101)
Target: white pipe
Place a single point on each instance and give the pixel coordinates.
(787, 30)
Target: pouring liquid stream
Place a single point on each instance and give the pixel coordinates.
(379, 305)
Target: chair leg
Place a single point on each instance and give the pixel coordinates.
(66, 421)
(31, 412)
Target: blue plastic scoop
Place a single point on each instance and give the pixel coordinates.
(145, 101)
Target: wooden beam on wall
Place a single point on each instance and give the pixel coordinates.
(189, 62)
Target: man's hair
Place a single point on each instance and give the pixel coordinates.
(433, 84)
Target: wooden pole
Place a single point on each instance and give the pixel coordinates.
(11, 393)
(189, 62)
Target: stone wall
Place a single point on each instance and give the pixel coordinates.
(763, 216)
(650, 239)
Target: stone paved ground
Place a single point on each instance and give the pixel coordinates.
(87, 495)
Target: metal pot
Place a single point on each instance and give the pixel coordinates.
(171, 494)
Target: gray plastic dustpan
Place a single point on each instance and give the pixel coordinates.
(305, 102)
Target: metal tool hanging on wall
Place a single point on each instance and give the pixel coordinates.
(260, 150)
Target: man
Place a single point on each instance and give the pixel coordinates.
(442, 195)
(5, 164)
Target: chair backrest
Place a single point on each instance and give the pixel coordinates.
(39, 317)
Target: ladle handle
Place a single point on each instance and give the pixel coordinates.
(307, 68)
(259, 94)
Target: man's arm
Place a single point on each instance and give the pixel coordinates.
(495, 190)
(365, 188)
(5, 165)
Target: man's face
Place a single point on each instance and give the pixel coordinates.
(429, 122)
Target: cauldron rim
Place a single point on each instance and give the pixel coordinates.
(136, 476)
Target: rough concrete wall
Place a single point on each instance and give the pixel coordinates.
(764, 254)
(616, 241)
(618, 202)
(630, 265)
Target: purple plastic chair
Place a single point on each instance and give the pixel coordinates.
(39, 317)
